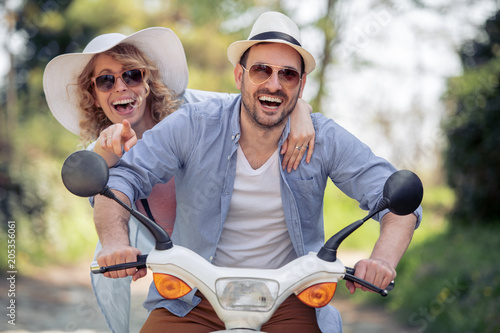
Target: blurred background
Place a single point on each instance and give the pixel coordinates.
(417, 80)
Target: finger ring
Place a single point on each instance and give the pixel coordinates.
(305, 146)
(298, 148)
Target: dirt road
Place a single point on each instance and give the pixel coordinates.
(60, 299)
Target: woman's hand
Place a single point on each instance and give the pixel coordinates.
(301, 137)
(113, 140)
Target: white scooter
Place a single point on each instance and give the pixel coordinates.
(244, 299)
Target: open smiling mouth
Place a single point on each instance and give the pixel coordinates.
(270, 102)
(124, 105)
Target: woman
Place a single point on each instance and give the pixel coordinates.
(111, 93)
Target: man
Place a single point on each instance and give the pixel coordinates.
(235, 206)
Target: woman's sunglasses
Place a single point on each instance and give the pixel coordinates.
(261, 73)
(106, 82)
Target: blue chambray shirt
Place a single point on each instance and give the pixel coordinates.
(198, 145)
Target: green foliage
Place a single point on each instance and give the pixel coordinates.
(451, 283)
(208, 70)
(436, 203)
(52, 225)
(340, 210)
(471, 159)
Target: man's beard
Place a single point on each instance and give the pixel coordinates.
(251, 105)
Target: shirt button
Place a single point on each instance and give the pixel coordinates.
(211, 258)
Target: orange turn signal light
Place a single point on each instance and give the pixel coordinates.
(169, 286)
(318, 295)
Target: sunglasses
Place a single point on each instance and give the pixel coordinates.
(106, 82)
(261, 73)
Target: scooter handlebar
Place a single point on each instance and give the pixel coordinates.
(349, 276)
(140, 263)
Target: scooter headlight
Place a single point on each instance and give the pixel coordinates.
(246, 294)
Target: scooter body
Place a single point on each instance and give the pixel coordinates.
(244, 298)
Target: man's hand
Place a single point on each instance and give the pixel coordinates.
(374, 271)
(111, 222)
(119, 254)
(395, 236)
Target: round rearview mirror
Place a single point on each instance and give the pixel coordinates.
(85, 173)
(403, 192)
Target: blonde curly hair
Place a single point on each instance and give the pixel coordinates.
(161, 101)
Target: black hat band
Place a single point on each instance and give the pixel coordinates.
(276, 35)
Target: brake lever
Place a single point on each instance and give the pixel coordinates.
(140, 263)
(349, 275)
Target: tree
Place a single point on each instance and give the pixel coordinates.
(472, 159)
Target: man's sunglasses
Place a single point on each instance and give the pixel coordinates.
(261, 73)
(106, 82)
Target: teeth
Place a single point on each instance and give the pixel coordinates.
(270, 99)
(123, 101)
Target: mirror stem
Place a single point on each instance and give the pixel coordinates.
(163, 241)
(329, 251)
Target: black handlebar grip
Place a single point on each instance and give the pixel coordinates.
(350, 277)
(140, 263)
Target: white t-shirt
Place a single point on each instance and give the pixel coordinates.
(255, 233)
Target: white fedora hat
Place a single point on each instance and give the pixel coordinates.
(160, 45)
(272, 27)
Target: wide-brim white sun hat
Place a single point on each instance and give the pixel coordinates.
(272, 27)
(160, 45)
